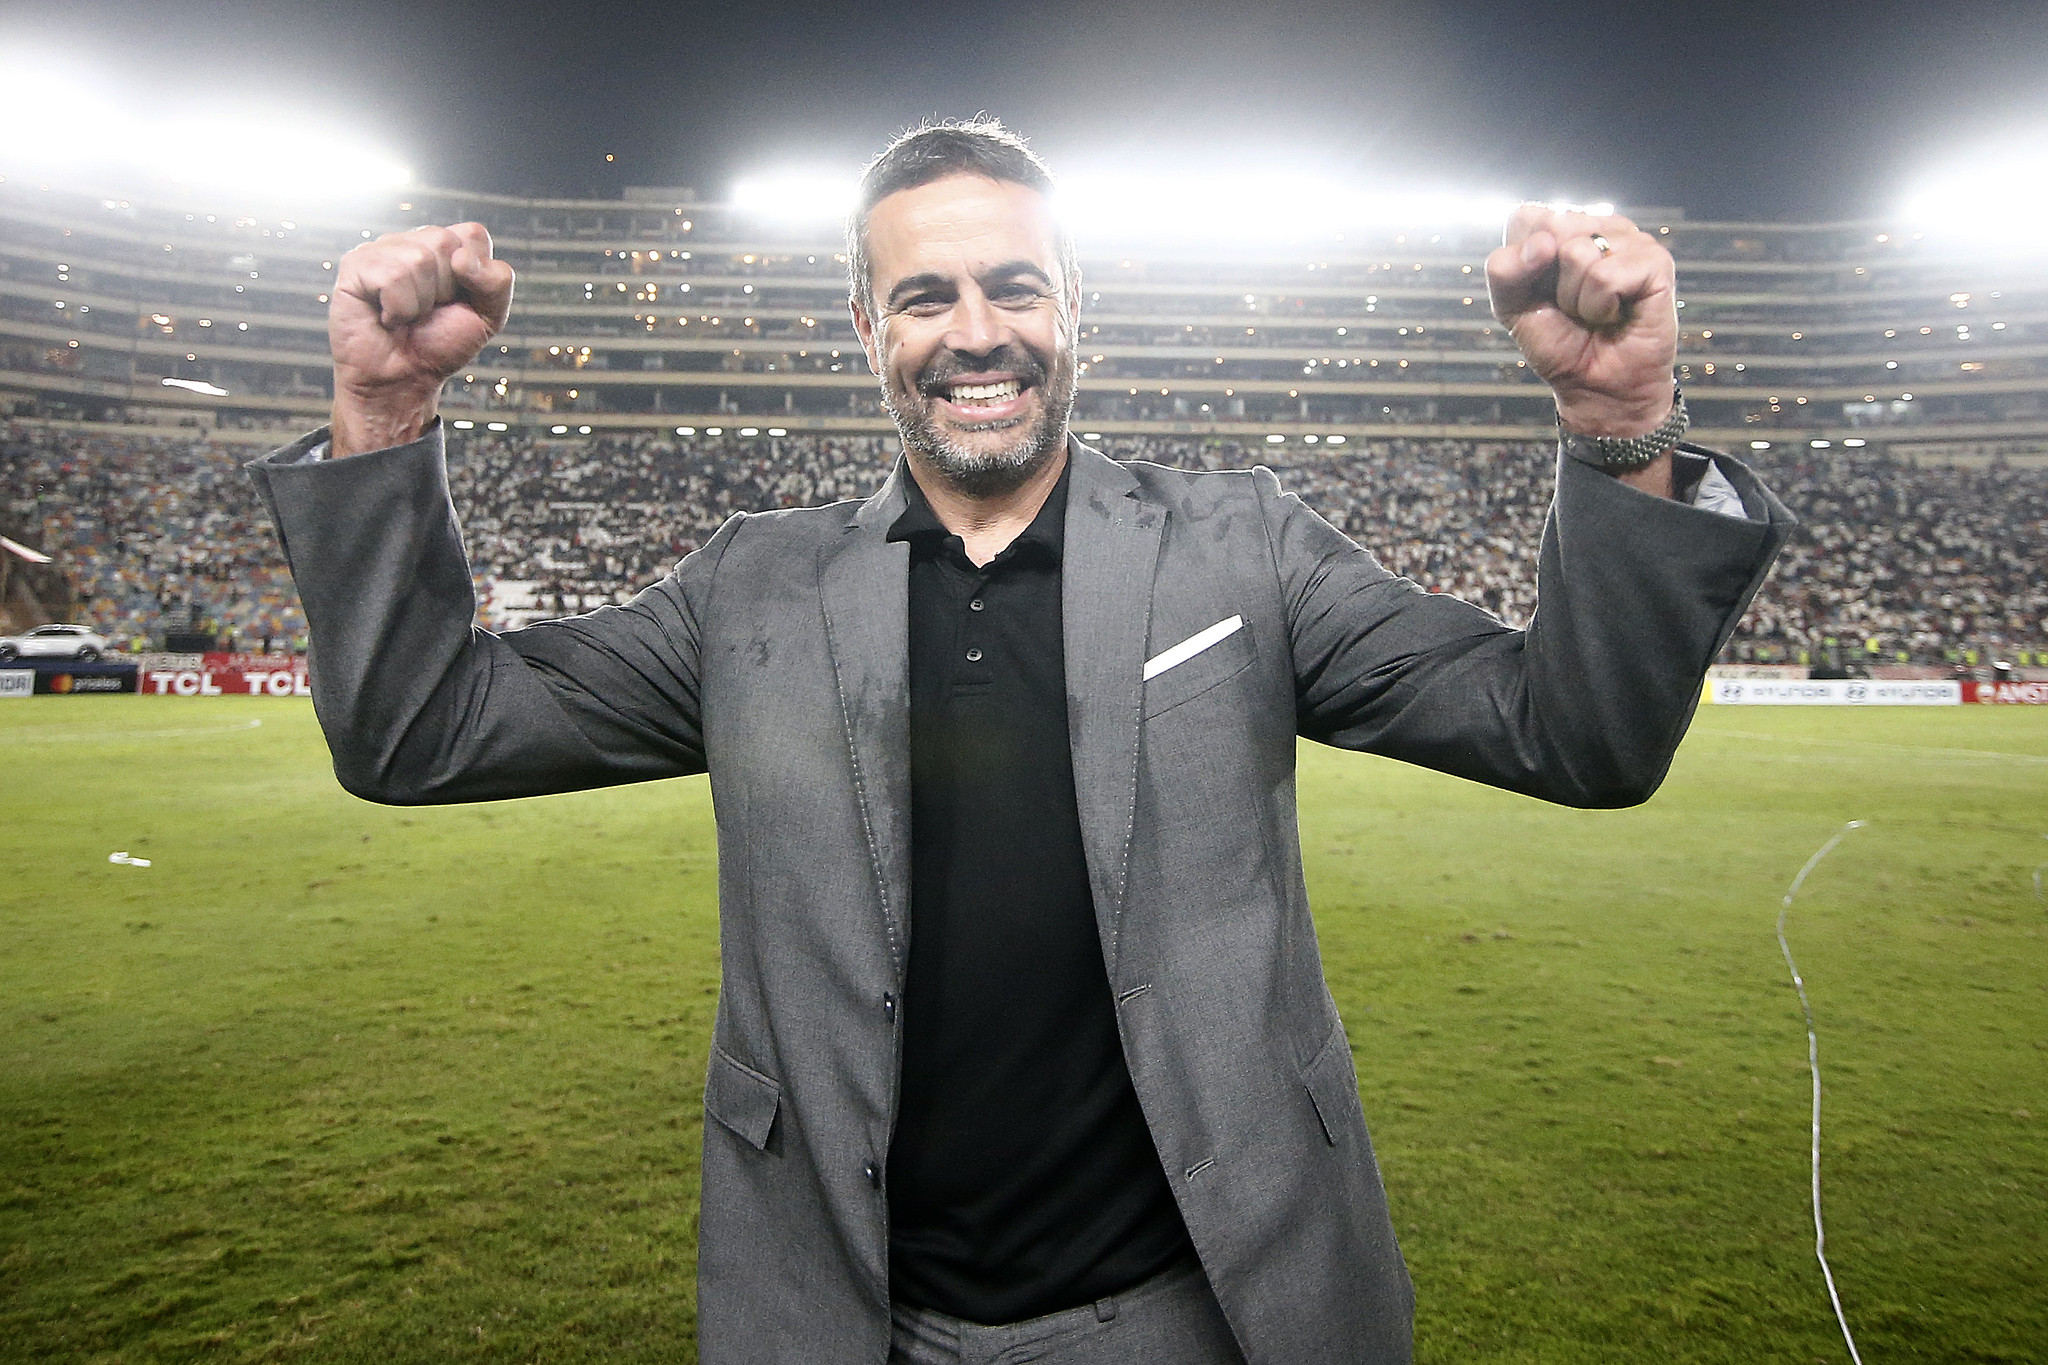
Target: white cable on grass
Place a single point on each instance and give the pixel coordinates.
(1820, 1236)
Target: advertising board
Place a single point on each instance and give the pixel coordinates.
(2006, 693)
(1832, 692)
(224, 675)
(47, 679)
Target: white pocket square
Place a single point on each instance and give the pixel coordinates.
(1176, 655)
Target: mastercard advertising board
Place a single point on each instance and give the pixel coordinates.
(67, 679)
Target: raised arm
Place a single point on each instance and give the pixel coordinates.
(418, 705)
(1637, 591)
(1636, 594)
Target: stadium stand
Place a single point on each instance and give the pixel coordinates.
(1894, 563)
(669, 362)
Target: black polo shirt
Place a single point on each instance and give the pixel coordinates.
(1022, 1179)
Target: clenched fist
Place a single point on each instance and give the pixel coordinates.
(409, 310)
(1600, 326)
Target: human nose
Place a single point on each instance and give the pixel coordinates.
(978, 326)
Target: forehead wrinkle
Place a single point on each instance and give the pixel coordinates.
(991, 221)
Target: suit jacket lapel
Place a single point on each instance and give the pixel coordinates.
(865, 584)
(1112, 549)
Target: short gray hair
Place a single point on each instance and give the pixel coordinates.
(932, 151)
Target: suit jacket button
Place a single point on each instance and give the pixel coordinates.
(872, 1172)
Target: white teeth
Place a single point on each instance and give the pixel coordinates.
(987, 393)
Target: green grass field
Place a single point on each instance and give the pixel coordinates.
(332, 1082)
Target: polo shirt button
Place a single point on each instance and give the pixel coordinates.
(974, 656)
(975, 605)
(889, 1007)
(872, 1172)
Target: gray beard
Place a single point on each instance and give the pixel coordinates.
(983, 474)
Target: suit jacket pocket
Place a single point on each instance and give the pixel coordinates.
(1189, 679)
(742, 1099)
(1333, 1088)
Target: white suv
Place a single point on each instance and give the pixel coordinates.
(82, 643)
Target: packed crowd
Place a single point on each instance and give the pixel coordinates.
(1892, 562)
(154, 535)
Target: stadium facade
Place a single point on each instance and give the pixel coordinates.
(669, 361)
(660, 311)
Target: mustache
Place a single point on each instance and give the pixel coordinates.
(948, 366)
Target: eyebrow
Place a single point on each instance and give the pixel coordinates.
(1008, 270)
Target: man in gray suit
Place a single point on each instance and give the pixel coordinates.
(1023, 1049)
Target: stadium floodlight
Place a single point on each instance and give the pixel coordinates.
(53, 117)
(1256, 207)
(1115, 205)
(56, 121)
(197, 386)
(256, 153)
(1994, 197)
(796, 198)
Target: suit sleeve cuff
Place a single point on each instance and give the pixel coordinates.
(314, 447)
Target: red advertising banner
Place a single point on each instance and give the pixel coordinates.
(224, 675)
(2007, 693)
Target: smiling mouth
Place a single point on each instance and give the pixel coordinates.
(990, 403)
(984, 395)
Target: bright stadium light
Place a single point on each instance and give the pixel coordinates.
(56, 121)
(1115, 205)
(1995, 196)
(52, 116)
(255, 152)
(796, 198)
(1261, 206)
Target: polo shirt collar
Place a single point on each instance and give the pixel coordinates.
(921, 526)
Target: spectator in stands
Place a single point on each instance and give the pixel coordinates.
(1912, 564)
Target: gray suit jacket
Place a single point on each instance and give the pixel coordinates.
(776, 656)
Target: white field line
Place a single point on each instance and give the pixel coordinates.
(62, 736)
(1820, 1235)
(1875, 745)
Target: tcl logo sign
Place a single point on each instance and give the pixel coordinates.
(287, 683)
(205, 682)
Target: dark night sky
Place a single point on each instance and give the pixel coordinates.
(1785, 110)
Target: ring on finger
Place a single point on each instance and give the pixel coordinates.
(1606, 247)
